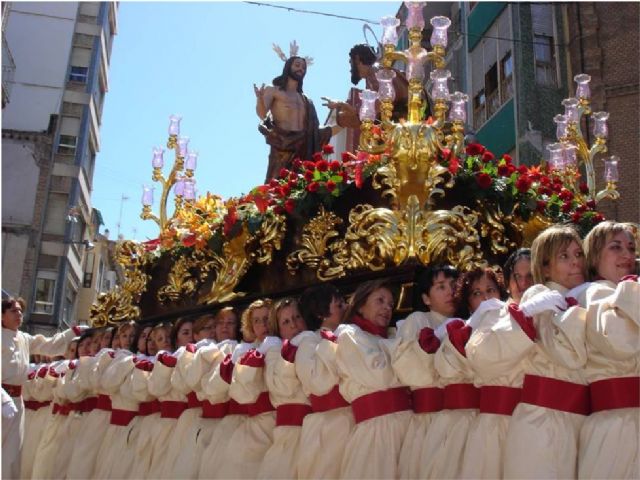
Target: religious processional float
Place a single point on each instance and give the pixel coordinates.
(412, 194)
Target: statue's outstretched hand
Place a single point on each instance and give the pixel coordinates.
(259, 91)
(331, 104)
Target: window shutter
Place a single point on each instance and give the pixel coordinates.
(542, 19)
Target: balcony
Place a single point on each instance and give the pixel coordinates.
(8, 71)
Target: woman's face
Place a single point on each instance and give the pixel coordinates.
(105, 341)
(378, 307)
(152, 348)
(185, 334)
(259, 321)
(161, 340)
(72, 350)
(481, 290)
(116, 342)
(439, 298)
(567, 267)
(126, 335)
(290, 322)
(521, 278)
(618, 257)
(84, 347)
(206, 331)
(12, 317)
(336, 311)
(142, 340)
(226, 326)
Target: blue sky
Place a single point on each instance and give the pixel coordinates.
(200, 60)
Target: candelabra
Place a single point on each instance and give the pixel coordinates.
(183, 183)
(413, 145)
(572, 148)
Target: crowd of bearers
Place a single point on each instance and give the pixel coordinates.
(530, 371)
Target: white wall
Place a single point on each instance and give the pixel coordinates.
(39, 35)
(13, 264)
(19, 182)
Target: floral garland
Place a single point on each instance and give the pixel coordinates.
(523, 190)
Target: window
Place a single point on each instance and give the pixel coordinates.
(479, 102)
(67, 144)
(78, 74)
(69, 305)
(506, 77)
(544, 60)
(88, 270)
(45, 289)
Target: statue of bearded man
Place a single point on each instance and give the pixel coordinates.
(289, 119)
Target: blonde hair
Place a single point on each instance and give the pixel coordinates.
(547, 245)
(597, 238)
(200, 322)
(275, 311)
(246, 326)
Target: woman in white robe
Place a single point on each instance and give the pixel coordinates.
(609, 446)
(380, 404)
(325, 431)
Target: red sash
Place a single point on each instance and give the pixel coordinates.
(291, 414)
(104, 403)
(192, 400)
(459, 396)
(148, 408)
(380, 403)
(236, 408)
(612, 393)
(172, 409)
(262, 405)
(499, 399)
(35, 405)
(214, 410)
(556, 394)
(122, 418)
(13, 390)
(427, 400)
(328, 401)
(61, 409)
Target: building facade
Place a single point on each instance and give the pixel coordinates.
(50, 139)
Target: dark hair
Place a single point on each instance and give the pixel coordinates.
(315, 303)
(364, 52)
(87, 334)
(424, 282)
(281, 81)
(7, 303)
(112, 330)
(173, 337)
(507, 269)
(136, 338)
(465, 282)
(359, 297)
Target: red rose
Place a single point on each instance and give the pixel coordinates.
(598, 217)
(484, 180)
(581, 208)
(274, 183)
(284, 173)
(327, 149)
(293, 177)
(278, 210)
(542, 190)
(576, 216)
(322, 165)
(584, 188)
(290, 205)
(189, 240)
(292, 183)
(522, 169)
(541, 205)
(566, 207)
(345, 176)
(454, 165)
(566, 195)
(229, 220)
(309, 165)
(487, 156)
(474, 149)
(316, 157)
(556, 187)
(504, 170)
(313, 187)
(334, 165)
(591, 204)
(296, 164)
(331, 186)
(285, 190)
(544, 180)
(346, 157)
(446, 153)
(507, 158)
(523, 183)
(308, 175)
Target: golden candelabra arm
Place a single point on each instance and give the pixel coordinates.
(147, 214)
